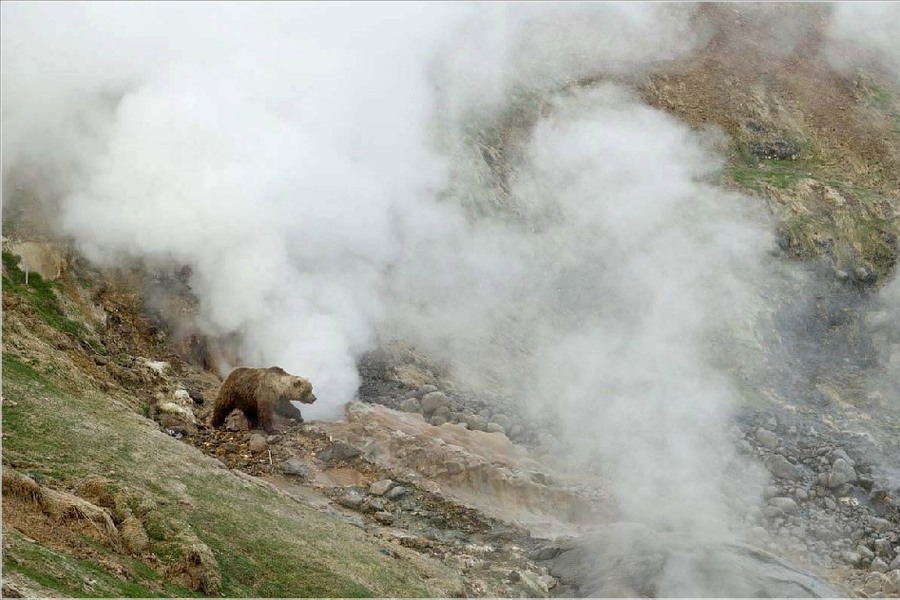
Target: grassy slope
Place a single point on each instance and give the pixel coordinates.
(266, 544)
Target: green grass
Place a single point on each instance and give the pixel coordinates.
(80, 578)
(40, 294)
(750, 172)
(265, 544)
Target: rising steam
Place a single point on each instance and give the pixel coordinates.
(326, 173)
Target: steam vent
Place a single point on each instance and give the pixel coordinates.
(513, 300)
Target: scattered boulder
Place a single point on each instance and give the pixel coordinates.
(873, 583)
(257, 443)
(495, 428)
(433, 401)
(411, 405)
(453, 467)
(852, 558)
(396, 493)
(383, 517)
(381, 487)
(878, 566)
(351, 499)
(476, 422)
(295, 467)
(425, 389)
(784, 505)
(880, 525)
(780, 467)
(766, 438)
(890, 585)
(841, 473)
(502, 420)
(236, 421)
(866, 555)
(442, 411)
(883, 548)
(339, 451)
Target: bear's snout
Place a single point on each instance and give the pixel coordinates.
(312, 398)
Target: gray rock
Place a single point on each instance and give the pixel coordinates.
(864, 274)
(502, 420)
(840, 453)
(381, 487)
(852, 558)
(338, 451)
(411, 405)
(433, 401)
(437, 420)
(766, 438)
(476, 422)
(841, 473)
(770, 512)
(425, 389)
(257, 443)
(442, 411)
(543, 554)
(495, 428)
(895, 564)
(780, 467)
(351, 499)
(396, 493)
(384, 518)
(865, 553)
(453, 467)
(295, 467)
(873, 583)
(627, 559)
(890, 585)
(878, 566)
(273, 439)
(784, 505)
(374, 505)
(880, 525)
(883, 548)
(515, 432)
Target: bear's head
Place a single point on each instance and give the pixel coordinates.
(301, 390)
(292, 387)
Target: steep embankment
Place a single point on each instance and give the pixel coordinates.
(98, 501)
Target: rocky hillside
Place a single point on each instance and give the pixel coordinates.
(115, 484)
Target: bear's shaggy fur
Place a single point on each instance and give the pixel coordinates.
(259, 393)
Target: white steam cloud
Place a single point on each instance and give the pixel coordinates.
(321, 170)
(865, 34)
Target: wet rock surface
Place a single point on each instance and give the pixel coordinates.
(632, 560)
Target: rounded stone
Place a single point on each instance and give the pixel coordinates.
(433, 401)
(411, 405)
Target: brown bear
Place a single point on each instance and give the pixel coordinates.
(259, 393)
